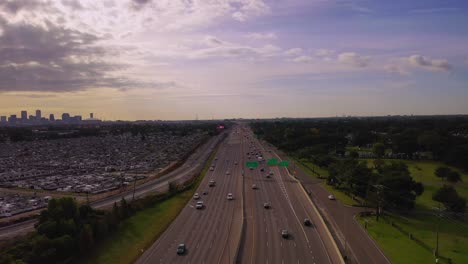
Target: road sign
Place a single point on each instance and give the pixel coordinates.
(251, 164)
(284, 163)
(272, 162)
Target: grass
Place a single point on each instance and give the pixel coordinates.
(142, 229)
(340, 195)
(423, 171)
(453, 238)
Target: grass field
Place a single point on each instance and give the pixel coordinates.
(453, 238)
(142, 229)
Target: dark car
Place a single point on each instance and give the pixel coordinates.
(181, 249)
(284, 233)
(307, 222)
(205, 192)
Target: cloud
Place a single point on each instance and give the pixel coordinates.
(14, 6)
(354, 59)
(393, 68)
(74, 4)
(213, 41)
(434, 10)
(255, 35)
(235, 51)
(430, 64)
(303, 59)
(324, 52)
(58, 59)
(293, 52)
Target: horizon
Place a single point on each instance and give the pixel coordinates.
(223, 59)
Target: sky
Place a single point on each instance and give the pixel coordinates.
(182, 59)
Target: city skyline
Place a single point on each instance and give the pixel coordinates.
(234, 58)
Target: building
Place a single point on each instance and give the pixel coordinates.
(12, 119)
(38, 114)
(24, 115)
(65, 117)
(52, 117)
(3, 119)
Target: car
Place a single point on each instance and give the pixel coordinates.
(331, 197)
(254, 186)
(181, 249)
(268, 176)
(205, 192)
(228, 172)
(284, 233)
(235, 163)
(266, 205)
(196, 196)
(199, 205)
(211, 183)
(271, 173)
(262, 169)
(211, 168)
(307, 222)
(251, 168)
(230, 197)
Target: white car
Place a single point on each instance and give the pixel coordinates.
(211, 183)
(199, 205)
(229, 196)
(254, 186)
(196, 196)
(331, 197)
(211, 168)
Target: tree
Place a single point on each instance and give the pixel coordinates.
(453, 177)
(353, 154)
(379, 149)
(86, 238)
(450, 198)
(442, 172)
(399, 190)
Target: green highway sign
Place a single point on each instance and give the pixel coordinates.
(251, 164)
(284, 163)
(272, 162)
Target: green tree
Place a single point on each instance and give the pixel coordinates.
(448, 196)
(442, 172)
(86, 239)
(379, 149)
(453, 177)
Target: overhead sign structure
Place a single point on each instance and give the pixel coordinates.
(284, 163)
(251, 164)
(272, 162)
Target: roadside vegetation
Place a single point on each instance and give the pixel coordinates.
(413, 171)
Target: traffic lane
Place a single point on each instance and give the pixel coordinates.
(343, 216)
(163, 250)
(362, 247)
(191, 225)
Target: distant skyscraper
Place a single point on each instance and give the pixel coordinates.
(51, 117)
(38, 114)
(12, 119)
(3, 119)
(65, 117)
(24, 115)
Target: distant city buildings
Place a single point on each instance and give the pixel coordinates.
(37, 119)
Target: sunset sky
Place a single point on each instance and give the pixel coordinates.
(175, 59)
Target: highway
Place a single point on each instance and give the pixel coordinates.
(263, 242)
(211, 234)
(191, 166)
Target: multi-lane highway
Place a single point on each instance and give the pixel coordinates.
(213, 235)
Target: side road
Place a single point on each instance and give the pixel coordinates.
(353, 240)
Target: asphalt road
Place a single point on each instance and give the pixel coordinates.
(354, 240)
(191, 166)
(289, 207)
(212, 234)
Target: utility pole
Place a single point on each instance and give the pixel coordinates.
(134, 185)
(439, 215)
